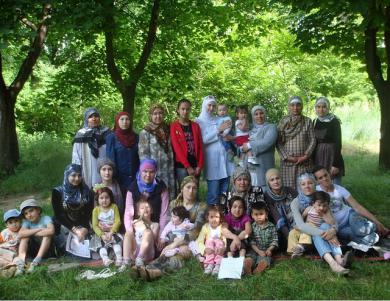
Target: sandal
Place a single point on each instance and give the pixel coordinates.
(149, 274)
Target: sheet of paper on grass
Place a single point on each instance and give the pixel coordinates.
(75, 247)
(231, 268)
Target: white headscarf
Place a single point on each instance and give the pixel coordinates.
(253, 111)
(204, 115)
(329, 116)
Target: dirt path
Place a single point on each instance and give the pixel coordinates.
(13, 201)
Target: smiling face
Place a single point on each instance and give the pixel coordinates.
(237, 209)
(211, 107)
(242, 184)
(106, 173)
(307, 186)
(75, 178)
(93, 120)
(221, 110)
(144, 210)
(323, 179)
(259, 117)
(157, 116)
(214, 218)
(13, 224)
(124, 122)
(104, 200)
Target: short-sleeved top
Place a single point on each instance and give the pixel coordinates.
(237, 224)
(238, 131)
(338, 205)
(43, 222)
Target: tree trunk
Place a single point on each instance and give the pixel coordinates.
(128, 97)
(384, 141)
(9, 148)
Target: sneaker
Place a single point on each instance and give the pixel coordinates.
(297, 251)
(122, 268)
(32, 267)
(252, 160)
(139, 262)
(215, 270)
(118, 263)
(347, 259)
(107, 262)
(208, 269)
(261, 267)
(19, 267)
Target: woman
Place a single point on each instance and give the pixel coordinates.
(122, 149)
(72, 205)
(154, 190)
(262, 142)
(278, 199)
(296, 143)
(106, 170)
(187, 144)
(328, 134)
(322, 237)
(217, 169)
(154, 143)
(89, 145)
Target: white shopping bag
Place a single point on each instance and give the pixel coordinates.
(231, 268)
(75, 247)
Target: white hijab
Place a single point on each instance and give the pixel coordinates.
(205, 116)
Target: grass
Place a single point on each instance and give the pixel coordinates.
(299, 279)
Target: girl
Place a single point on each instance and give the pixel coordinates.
(187, 144)
(239, 226)
(242, 133)
(176, 231)
(211, 242)
(105, 223)
(145, 234)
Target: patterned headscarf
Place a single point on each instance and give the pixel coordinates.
(270, 173)
(126, 137)
(73, 195)
(239, 172)
(160, 131)
(290, 125)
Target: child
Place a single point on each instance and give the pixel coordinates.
(239, 226)
(242, 133)
(145, 234)
(222, 112)
(106, 222)
(176, 231)
(211, 242)
(35, 235)
(263, 240)
(9, 237)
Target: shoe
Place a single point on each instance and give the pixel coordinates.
(107, 262)
(247, 269)
(118, 263)
(200, 258)
(32, 267)
(208, 269)
(347, 259)
(90, 275)
(252, 160)
(215, 270)
(139, 262)
(297, 251)
(149, 274)
(122, 268)
(261, 267)
(19, 267)
(8, 272)
(338, 269)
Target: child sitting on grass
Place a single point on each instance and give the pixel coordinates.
(211, 242)
(36, 236)
(9, 237)
(263, 240)
(106, 222)
(176, 231)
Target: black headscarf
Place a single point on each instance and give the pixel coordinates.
(73, 195)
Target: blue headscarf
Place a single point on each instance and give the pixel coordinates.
(142, 186)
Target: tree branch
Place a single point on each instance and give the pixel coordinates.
(148, 47)
(29, 24)
(32, 56)
(373, 62)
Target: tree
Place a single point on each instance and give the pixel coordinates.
(9, 149)
(360, 28)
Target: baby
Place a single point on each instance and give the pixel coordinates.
(242, 133)
(222, 112)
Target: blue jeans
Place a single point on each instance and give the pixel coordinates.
(358, 229)
(323, 246)
(215, 188)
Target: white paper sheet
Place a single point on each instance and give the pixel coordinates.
(231, 268)
(75, 247)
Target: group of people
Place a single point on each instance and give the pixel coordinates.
(134, 197)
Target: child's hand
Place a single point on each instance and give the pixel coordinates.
(208, 251)
(262, 253)
(220, 251)
(160, 244)
(268, 253)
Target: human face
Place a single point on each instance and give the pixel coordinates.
(321, 207)
(241, 184)
(295, 108)
(106, 172)
(321, 109)
(211, 107)
(222, 110)
(242, 115)
(189, 191)
(13, 224)
(74, 178)
(32, 214)
(147, 175)
(323, 178)
(157, 116)
(93, 120)
(144, 210)
(104, 200)
(214, 218)
(307, 186)
(176, 220)
(275, 182)
(237, 209)
(124, 122)
(259, 116)
(184, 111)
(259, 216)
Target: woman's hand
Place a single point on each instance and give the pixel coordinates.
(381, 229)
(301, 159)
(292, 159)
(198, 170)
(334, 171)
(225, 125)
(245, 147)
(329, 234)
(191, 171)
(81, 233)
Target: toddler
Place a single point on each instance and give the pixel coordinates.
(35, 235)
(263, 240)
(239, 226)
(222, 112)
(242, 133)
(176, 231)
(9, 237)
(211, 242)
(106, 222)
